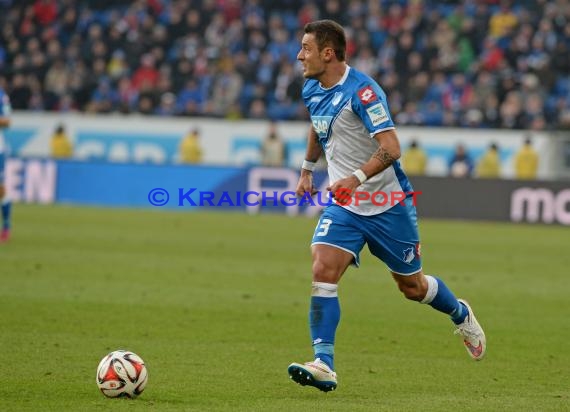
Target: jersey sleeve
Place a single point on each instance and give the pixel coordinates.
(369, 103)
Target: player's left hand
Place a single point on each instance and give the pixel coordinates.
(342, 190)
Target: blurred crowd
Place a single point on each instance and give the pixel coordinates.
(442, 63)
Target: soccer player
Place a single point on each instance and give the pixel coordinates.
(5, 110)
(352, 126)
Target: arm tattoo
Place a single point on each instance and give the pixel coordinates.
(384, 157)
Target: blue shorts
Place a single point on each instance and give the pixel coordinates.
(392, 236)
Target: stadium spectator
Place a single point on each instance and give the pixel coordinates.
(45, 11)
(273, 147)
(118, 65)
(489, 165)
(146, 76)
(472, 118)
(511, 111)
(167, 105)
(458, 95)
(526, 161)
(410, 115)
(61, 147)
(227, 86)
(257, 109)
(503, 21)
(414, 160)
(55, 82)
(484, 87)
(190, 148)
(491, 115)
(460, 164)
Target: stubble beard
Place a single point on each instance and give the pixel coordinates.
(314, 75)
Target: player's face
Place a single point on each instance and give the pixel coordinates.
(309, 55)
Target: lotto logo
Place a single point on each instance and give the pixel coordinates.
(367, 95)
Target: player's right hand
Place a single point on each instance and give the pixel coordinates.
(305, 185)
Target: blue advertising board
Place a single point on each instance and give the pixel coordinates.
(251, 189)
(262, 189)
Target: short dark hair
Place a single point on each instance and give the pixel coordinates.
(328, 33)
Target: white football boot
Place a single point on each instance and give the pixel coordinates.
(472, 333)
(315, 373)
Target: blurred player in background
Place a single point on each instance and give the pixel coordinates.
(5, 111)
(352, 125)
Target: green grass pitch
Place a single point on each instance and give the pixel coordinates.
(216, 304)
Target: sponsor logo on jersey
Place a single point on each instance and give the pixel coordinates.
(321, 125)
(367, 95)
(316, 99)
(377, 114)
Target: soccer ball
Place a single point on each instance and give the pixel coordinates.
(121, 374)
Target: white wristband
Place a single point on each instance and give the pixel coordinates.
(360, 175)
(310, 166)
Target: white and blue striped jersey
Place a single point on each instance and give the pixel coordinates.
(346, 117)
(5, 111)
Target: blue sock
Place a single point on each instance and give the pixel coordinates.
(6, 209)
(324, 316)
(441, 298)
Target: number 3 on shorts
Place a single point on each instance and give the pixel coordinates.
(324, 226)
